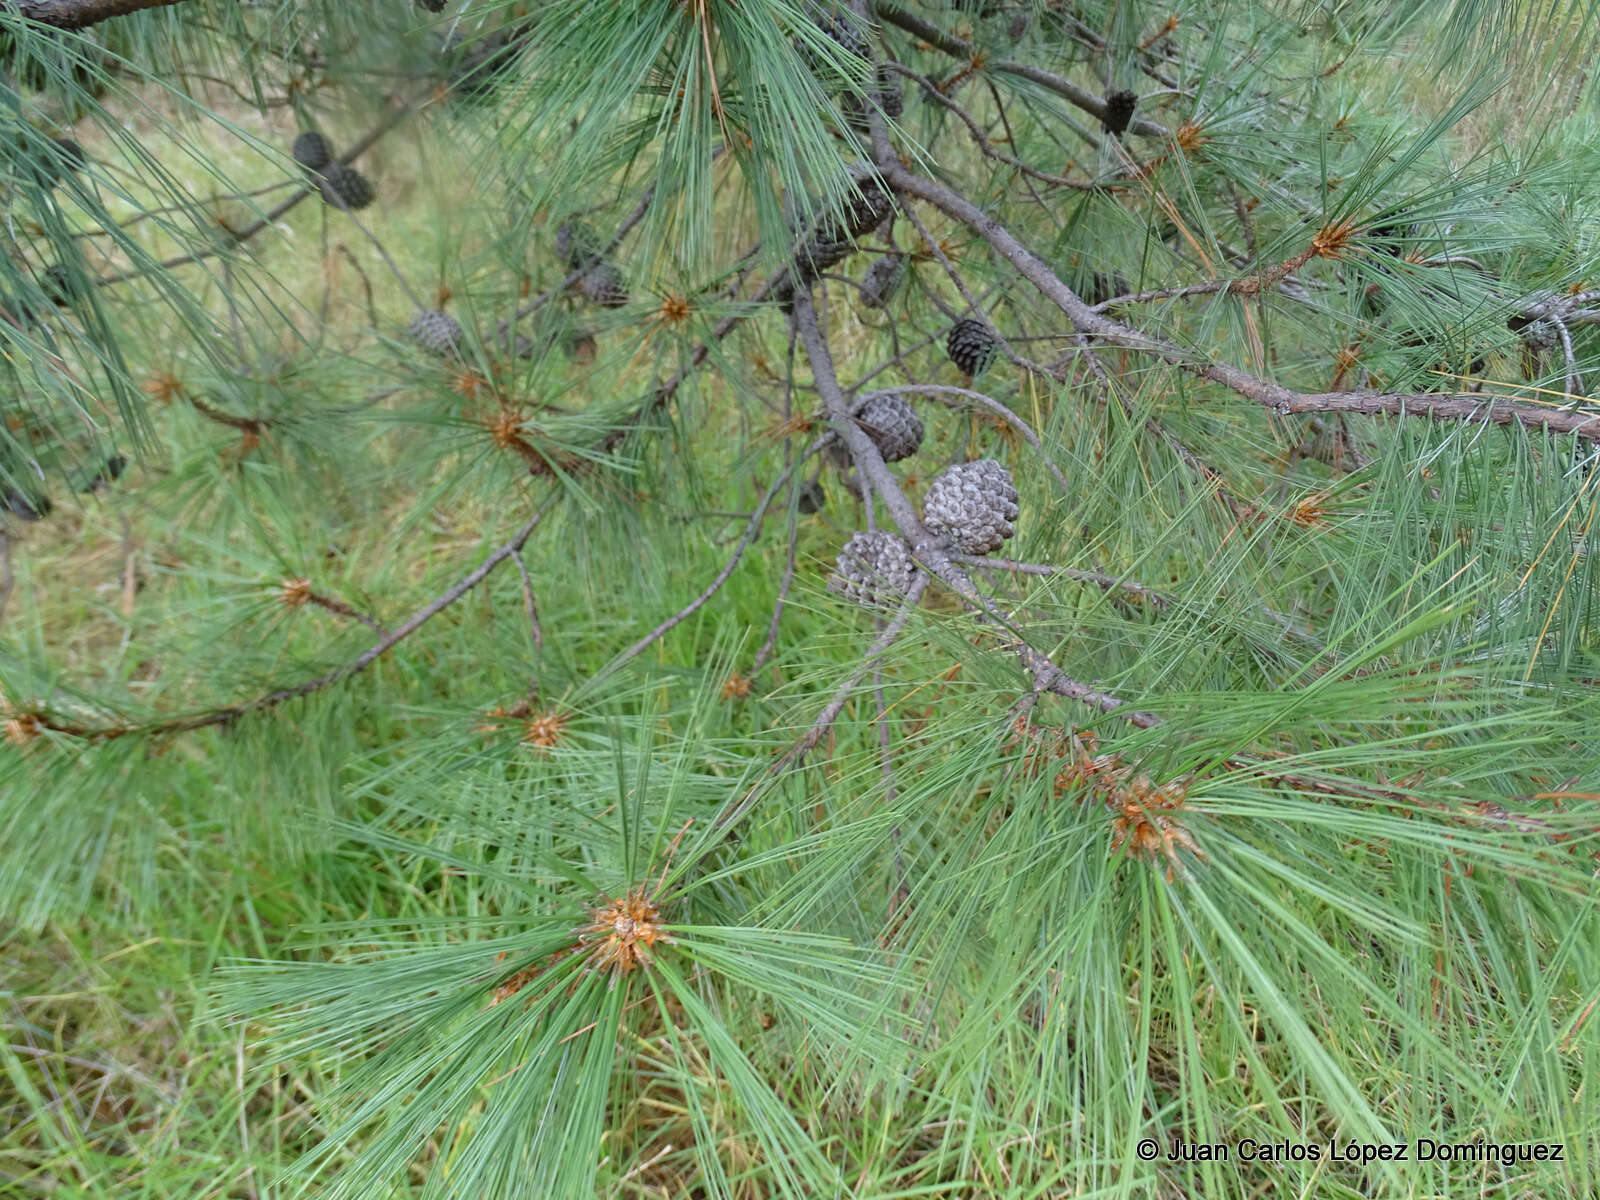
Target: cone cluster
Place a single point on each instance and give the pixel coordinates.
(341, 185)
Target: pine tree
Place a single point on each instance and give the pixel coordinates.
(535, 662)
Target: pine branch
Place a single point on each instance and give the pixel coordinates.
(962, 49)
(930, 549)
(232, 712)
(1274, 396)
(401, 110)
(80, 14)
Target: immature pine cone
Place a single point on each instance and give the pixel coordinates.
(311, 150)
(882, 280)
(604, 285)
(346, 187)
(974, 503)
(1119, 112)
(971, 346)
(577, 245)
(436, 331)
(874, 569)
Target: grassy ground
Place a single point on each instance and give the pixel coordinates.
(124, 1077)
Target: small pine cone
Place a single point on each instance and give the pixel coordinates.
(892, 424)
(59, 285)
(843, 31)
(882, 280)
(346, 187)
(577, 245)
(478, 67)
(436, 331)
(604, 285)
(1119, 112)
(833, 238)
(887, 97)
(58, 158)
(974, 504)
(971, 345)
(874, 569)
(311, 150)
(1540, 333)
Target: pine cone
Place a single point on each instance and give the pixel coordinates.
(1119, 112)
(892, 424)
(972, 346)
(843, 31)
(882, 280)
(477, 68)
(577, 245)
(888, 97)
(603, 284)
(833, 238)
(58, 158)
(59, 285)
(974, 504)
(436, 331)
(311, 150)
(874, 569)
(1538, 332)
(346, 187)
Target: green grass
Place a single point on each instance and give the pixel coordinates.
(262, 959)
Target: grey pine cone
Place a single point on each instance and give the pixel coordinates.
(892, 424)
(1538, 332)
(577, 244)
(874, 569)
(603, 284)
(346, 187)
(311, 150)
(974, 504)
(882, 280)
(436, 331)
(972, 346)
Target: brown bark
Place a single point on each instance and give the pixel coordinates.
(80, 14)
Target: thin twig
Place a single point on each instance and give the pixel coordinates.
(528, 605)
(232, 712)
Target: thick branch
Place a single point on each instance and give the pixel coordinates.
(80, 14)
